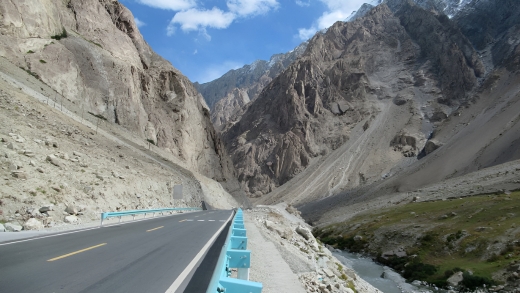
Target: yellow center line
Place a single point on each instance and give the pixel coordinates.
(182, 220)
(76, 252)
(154, 229)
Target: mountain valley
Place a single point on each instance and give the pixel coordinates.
(394, 133)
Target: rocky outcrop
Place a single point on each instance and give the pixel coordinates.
(403, 60)
(92, 54)
(228, 95)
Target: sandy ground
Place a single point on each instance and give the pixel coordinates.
(268, 265)
(287, 258)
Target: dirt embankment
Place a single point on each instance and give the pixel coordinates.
(53, 158)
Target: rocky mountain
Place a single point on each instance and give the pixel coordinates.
(407, 69)
(228, 94)
(364, 9)
(92, 54)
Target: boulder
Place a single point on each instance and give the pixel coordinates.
(71, 210)
(71, 219)
(11, 227)
(53, 160)
(455, 279)
(304, 232)
(33, 224)
(284, 233)
(328, 273)
(430, 146)
(19, 175)
(46, 208)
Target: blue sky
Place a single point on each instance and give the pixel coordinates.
(205, 39)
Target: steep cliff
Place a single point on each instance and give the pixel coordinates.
(406, 67)
(228, 95)
(468, 147)
(92, 54)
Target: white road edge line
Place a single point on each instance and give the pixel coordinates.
(177, 283)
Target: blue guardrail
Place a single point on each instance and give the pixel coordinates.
(234, 254)
(137, 212)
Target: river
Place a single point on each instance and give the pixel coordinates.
(371, 272)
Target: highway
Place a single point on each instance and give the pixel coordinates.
(155, 255)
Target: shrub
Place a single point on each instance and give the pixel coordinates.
(418, 271)
(42, 61)
(60, 36)
(30, 52)
(472, 282)
(98, 116)
(150, 141)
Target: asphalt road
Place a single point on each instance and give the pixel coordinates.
(141, 256)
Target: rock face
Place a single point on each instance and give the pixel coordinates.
(228, 95)
(459, 114)
(405, 62)
(92, 54)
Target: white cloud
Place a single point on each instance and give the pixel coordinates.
(191, 15)
(215, 71)
(195, 19)
(336, 10)
(138, 22)
(251, 7)
(303, 3)
(306, 33)
(195, 52)
(170, 30)
(174, 5)
(204, 34)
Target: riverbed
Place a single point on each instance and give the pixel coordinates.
(381, 277)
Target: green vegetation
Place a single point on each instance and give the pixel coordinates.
(30, 52)
(97, 44)
(150, 141)
(42, 61)
(98, 116)
(350, 284)
(439, 237)
(30, 72)
(63, 35)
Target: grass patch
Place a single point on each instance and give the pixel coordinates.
(98, 116)
(63, 35)
(34, 74)
(97, 44)
(350, 284)
(442, 236)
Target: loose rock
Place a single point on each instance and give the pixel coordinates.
(53, 160)
(71, 219)
(33, 224)
(11, 227)
(304, 232)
